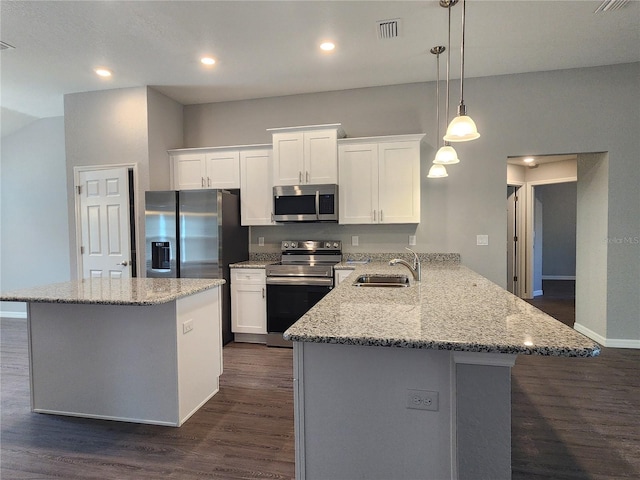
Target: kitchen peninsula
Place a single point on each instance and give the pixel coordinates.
(414, 382)
(138, 349)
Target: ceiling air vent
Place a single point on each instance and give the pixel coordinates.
(610, 5)
(5, 46)
(389, 29)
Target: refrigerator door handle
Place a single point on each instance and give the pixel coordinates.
(317, 205)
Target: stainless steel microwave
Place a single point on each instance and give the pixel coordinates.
(305, 203)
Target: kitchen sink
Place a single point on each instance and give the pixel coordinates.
(378, 280)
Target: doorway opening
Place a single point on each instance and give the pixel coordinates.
(541, 236)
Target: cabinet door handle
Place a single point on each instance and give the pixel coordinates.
(374, 215)
(262, 292)
(307, 177)
(381, 218)
(208, 181)
(300, 176)
(202, 182)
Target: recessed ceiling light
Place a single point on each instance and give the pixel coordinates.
(528, 160)
(208, 61)
(327, 46)
(103, 72)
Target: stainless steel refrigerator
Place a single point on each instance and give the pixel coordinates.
(195, 234)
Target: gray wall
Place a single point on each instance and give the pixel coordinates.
(165, 131)
(566, 111)
(121, 126)
(104, 128)
(34, 240)
(559, 220)
(593, 286)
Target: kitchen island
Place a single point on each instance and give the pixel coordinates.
(137, 350)
(414, 382)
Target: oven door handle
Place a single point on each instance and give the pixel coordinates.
(300, 281)
(317, 204)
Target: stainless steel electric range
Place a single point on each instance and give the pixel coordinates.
(299, 281)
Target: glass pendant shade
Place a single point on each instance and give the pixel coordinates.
(446, 155)
(461, 129)
(437, 171)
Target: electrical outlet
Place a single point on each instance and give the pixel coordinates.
(412, 240)
(355, 241)
(187, 326)
(422, 400)
(261, 241)
(482, 239)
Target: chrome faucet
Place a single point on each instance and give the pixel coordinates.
(415, 268)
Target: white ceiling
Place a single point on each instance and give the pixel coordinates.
(269, 48)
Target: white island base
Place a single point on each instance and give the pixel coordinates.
(152, 364)
(353, 420)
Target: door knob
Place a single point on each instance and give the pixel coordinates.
(124, 263)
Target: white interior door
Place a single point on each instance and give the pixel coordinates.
(104, 216)
(512, 239)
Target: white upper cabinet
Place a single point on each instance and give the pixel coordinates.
(256, 198)
(306, 155)
(189, 171)
(199, 168)
(380, 179)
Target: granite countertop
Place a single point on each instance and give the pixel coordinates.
(453, 308)
(113, 291)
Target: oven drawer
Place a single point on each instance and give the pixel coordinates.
(248, 276)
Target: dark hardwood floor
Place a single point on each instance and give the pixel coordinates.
(572, 419)
(559, 300)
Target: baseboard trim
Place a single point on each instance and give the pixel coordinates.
(12, 314)
(249, 338)
(607, 342)
(538, 293)
(558, 277)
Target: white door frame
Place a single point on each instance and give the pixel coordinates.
(530, 201)
(519, 263)
(77, 170)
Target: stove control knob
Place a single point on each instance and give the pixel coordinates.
(335, 244)
(327, 245)
(294, 244)
(285, 245)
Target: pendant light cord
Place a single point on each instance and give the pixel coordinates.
(437, 99)
(461, 109)
(448, 68)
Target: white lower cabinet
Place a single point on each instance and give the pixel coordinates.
(380, 179)
(248, 301)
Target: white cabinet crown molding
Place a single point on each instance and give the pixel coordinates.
(225, 147)
(326, 126)
(383, 138)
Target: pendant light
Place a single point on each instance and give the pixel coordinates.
(437, 171)
(447, 155)
(462, 128)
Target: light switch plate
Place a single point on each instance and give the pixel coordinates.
(355, 240)
(261, 241)
(412, 240)
(482, 239)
